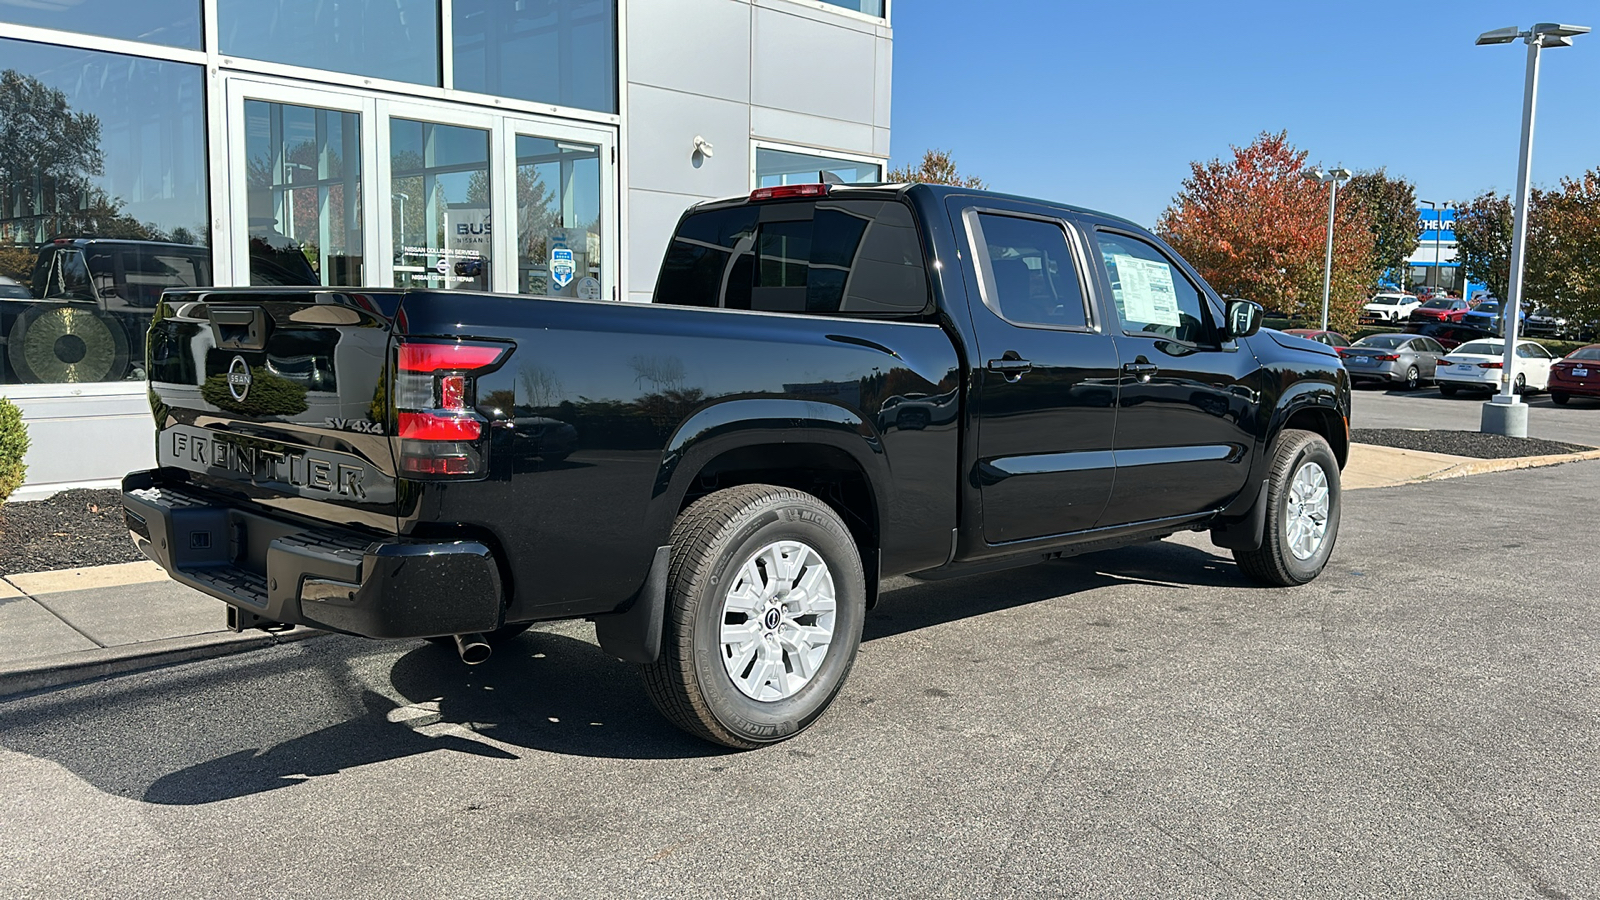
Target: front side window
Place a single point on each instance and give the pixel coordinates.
(780, 167)
(1029, 275)
(848, 257)
(1152, 296)
(393, 39)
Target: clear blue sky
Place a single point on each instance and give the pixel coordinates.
(1104, 105)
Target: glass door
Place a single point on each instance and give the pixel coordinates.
(301, 173)
(329, 187)
(565, 196)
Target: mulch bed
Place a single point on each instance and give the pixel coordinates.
(69, 530)
(1462, 443)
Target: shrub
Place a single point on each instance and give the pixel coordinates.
(13, 447)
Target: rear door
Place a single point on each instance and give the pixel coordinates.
(1046, 375)
(280, 397)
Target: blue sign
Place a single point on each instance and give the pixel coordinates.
(1429, 222)
(561, 266)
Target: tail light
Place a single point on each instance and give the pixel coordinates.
(1491, 365)
(438, 434)
(1391, 357)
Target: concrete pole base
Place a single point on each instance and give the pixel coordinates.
(1509, 418)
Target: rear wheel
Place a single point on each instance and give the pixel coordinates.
(765, 601)
(1302, 513)
(1449, 390)
(1559, 398)
(1413, 378)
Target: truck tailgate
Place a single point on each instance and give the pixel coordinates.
(279, 397)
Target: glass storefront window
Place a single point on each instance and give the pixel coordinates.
(558, 218)
(103, 204)
(393, 39)
(870, 7)
(440, 190)
(563, 53)
(777, 167)
(303, 177)
(173, 23)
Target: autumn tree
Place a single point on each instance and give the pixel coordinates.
(937, 167)
(1563, 259)
(1255, 228)
(1483, 241)
(1390, 206)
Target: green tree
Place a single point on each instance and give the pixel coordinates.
(1390, 207)
(937, 167)
(1563, 265)
(1483, 240)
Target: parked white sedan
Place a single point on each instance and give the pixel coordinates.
(1478, 366)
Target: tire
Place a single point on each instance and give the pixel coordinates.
(1413, 378)
(1449, 390)
(1520, 386)
(723, 548)
(1559, 398)
(1289, 554)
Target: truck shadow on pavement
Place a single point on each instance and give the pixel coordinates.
(546, 692)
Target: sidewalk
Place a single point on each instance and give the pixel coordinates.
(75, 625)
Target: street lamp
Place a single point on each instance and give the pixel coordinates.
(1438, 226)
(1332, 178)
(1505, 413)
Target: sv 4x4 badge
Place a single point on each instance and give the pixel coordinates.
(362, 426)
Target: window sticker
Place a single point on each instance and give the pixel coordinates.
(1145, 291)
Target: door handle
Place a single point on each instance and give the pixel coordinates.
(1010, 366)
(1141, 370)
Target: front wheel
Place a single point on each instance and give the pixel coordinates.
(1302, 513)
(765, 602)
(1520, 386)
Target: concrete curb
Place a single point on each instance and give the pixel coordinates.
(28, 676)
(1483, 466)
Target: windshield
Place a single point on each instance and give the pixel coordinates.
(1487, 306)
(1383, 341)
(1585, 353)
(1481, 348)
(1437, 304)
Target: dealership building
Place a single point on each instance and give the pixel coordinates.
(543, 147)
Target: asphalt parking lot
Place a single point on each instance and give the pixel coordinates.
(1377, 407)
(1419, 722)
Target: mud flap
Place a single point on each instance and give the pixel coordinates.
(1245, 532)
(634, 634)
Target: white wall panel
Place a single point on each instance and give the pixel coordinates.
(808, 66)
(695, 46)
(662, 126)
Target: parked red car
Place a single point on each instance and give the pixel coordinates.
(1331, 338)
(1441, 309)
(1576, 375)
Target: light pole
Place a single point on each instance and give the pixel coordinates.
(1332, 178)
(1506, 414)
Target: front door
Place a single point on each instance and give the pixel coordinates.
(1186, 402)
(334, 187)
(1046, 376)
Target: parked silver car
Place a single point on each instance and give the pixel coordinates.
(1406, 359)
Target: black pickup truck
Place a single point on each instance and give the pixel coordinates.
(834, 385)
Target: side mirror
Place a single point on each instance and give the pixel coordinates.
(1244, 317)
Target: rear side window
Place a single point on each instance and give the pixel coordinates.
(1029, 276)
(847, 257)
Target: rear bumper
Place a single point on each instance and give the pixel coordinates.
(278, 569)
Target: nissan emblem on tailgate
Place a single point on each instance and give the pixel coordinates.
(239, 378)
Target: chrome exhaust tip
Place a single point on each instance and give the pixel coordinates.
(473, 648)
